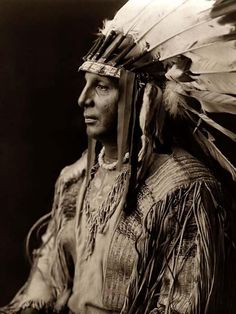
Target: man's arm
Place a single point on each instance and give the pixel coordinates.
(193, 262)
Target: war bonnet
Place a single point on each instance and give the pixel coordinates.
(168, 54)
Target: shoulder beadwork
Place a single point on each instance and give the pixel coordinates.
(177, 170)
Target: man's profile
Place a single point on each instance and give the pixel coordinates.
(138, 223)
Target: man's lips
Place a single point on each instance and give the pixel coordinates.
(90, 119)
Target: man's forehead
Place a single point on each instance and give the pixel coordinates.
(97, 77)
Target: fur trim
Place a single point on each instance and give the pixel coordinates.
(173, 98)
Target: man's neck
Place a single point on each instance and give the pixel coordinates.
(110, 151)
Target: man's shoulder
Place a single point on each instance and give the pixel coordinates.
(76, 170)
(171, 172)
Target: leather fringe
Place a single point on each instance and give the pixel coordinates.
(186, 224)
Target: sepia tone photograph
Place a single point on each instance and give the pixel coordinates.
(118, 156)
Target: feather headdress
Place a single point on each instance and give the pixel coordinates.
(191, 46)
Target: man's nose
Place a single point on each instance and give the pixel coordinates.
(85, 98)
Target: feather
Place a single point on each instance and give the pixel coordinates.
(215, 102)
(212, 123)
(162, 9)
(182, 15)
(218, 127)
(194, 38)
(186, 19)
(127, 16)
(158, 21)
(202, 32)
(209, 147)
(173, 98)
(115, 44)
(216, 82)
(223, 8)
(209, 59)
(148, 115)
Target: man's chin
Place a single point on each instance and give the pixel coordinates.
(100, 135)
(92, 133)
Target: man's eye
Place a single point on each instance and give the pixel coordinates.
(102, 87)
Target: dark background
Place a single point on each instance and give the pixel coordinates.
(41, 128)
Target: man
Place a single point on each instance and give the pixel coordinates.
(139, 227)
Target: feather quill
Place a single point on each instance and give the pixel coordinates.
(212, 123)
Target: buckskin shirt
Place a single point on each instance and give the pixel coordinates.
(148, 259)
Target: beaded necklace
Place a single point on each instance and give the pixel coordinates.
(109, 166)
(97, 218)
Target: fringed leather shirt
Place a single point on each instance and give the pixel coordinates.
(162, 257)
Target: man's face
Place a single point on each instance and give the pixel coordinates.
(99, 100)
